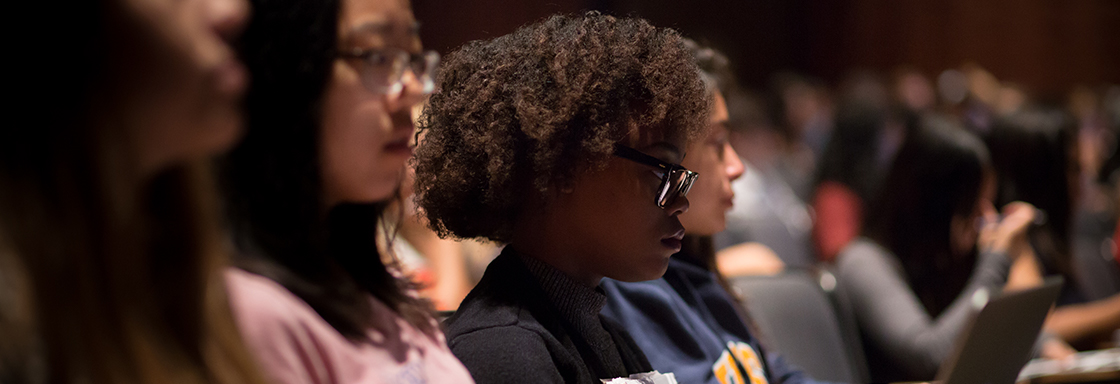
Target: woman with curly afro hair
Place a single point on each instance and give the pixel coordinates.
(562, 141)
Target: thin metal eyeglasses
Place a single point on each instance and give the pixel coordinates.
(675, 179)
(384, 69)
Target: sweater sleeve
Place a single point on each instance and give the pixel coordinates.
(506, 355)
(892, 316)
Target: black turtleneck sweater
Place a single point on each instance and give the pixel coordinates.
(526, 321)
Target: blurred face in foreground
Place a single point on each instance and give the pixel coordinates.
(177, 77)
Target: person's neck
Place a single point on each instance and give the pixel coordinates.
(553, 248)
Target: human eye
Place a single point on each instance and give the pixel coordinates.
(718, 137)
(378, 58)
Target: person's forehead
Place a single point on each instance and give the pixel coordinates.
(719, 108)
(377, 18)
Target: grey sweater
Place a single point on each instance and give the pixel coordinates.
(903, 342)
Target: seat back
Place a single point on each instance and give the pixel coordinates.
(798, 319)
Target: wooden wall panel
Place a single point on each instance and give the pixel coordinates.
(1046, 45)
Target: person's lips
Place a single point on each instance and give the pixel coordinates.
(399, 145)
(230, 77)
(674, 241)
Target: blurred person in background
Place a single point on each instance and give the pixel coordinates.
(1109, 174)
(910, 279)
(913, 90)
(110, 252)
(768, 227)
(688, 322)
(1034, 154)
(867, 132)
(561, 140)
(1095, 214)
(977, 109)
(806, 108)
(329, 127)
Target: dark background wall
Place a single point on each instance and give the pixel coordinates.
(1048, 46)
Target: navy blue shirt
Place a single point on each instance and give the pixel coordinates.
(686, 323)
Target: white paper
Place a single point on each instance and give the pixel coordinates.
(654, 377)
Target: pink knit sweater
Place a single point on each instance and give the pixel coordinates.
(292, 344)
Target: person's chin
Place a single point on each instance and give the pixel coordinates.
(380, 192)
(224, 131)
(656, 273)
(652, 270)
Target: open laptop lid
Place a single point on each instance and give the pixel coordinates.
(999, 339)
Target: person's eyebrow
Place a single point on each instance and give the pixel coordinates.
(380, 27)
(376, 27)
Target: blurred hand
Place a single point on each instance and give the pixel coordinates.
(1056, 349)
(1009, 234)
(748, 259)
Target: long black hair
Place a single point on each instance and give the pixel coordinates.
(1035, 159)
(936, 176)
(273, 183)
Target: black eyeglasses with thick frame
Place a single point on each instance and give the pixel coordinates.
(675, 179)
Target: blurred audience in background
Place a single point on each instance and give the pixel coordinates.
(1035, 156)
(768, 220)
(805, 112)
(869, 125)
(868, 129)
(924, 255)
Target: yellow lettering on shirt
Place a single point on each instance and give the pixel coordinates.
(749, 359)
(727, 372)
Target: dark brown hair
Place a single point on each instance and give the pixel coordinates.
(1034, 153)
(517, 115)
(937, 175)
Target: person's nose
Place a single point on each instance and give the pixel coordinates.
(413, 90)
(733, 165)
(227, 17)
(678, 206)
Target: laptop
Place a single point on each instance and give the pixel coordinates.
(1000, 338)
